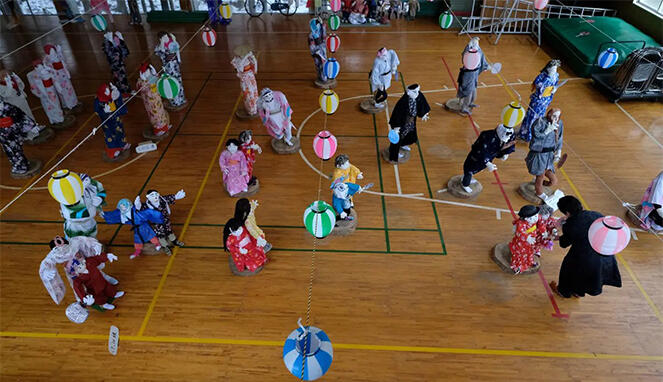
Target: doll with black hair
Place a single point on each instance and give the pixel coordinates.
(234, 168)
(161, 203)
(250, 149)
(246, 256)
(245, 213)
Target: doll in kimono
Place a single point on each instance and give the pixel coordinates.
(245, 213)
(250, 149)
(140, 222)
(474, 63)
(318, 47)
(246, 253)
(526, 241)
(168, 51)
(234, 168)
(276, 114)
(544, 87)
(79, 218)
(64, 87)
(109, 106)
(410, 106)
(43, 85)
(247, 67)
(385, 66)
(116, 51)
(491, 144)
(161, 203)
(12, 90)
(147, 86)
(16, 127)
(651, 212)
(545, 149)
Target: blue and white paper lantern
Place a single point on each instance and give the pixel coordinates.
(608, 58)
(332, 67)
(308, 347)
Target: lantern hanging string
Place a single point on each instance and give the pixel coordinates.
(93, 132)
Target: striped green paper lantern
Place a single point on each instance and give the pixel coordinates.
(334, 22)
(99, 23)
(446, 19)
(319, 219)
(168, 87)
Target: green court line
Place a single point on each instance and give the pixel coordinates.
(221, 225)
(163, 154)
(377, 153)
(430, 192)
(307, 250)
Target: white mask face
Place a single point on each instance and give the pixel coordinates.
(237, 232)
(345, 165)
(268, 97)
(504, 133)
(554, 117)
(232, 148)
(153, 198)
(552, 70)
(413, 93)
(81, 268)
(532, 219)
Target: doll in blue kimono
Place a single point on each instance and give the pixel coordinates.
(128, 214)
(543, 89)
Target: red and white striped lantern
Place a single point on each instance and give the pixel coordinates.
(324, 145)
(209, 36)
(471, 59)
(609, 235)
(335, 5)
(333, 42)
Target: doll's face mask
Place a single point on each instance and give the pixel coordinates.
(268, 97)
(237, 232)
(413, 92)
(153, 198)
(232, 148)
(345, 165)
(532, 219)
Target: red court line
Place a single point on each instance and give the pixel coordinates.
(551, 296)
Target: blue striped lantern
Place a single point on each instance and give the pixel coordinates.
(446, 19)
(331, 68)
(308, 347)
(608, 58)
(168, 86)
(98, 23)
(319, 219)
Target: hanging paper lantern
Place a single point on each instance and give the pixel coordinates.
(99, 23)
(540, 4)
(512, 114)
(308, 347)
(168, 86)
(335, 5)
(329, 101)
(319, 219)
(333, 42)
(225, 11)
(471, 59)
(334, 22)
(209, 36)
(331, 68)
(66, 187)
(608, 58)
(609, 235)
(446, 19)
(324, 145)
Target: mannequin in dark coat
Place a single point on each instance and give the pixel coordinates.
(583, 270)
(411, 105)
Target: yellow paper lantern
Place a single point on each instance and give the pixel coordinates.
(226, 11)
(329, 101)
(512, 114)
(66, 187)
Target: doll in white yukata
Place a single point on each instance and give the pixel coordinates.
(276, 114)
(65, 89)
(43, 85)
(12, 91)
(385, 66)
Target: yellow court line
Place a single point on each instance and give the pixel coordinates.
(162, 282)
(394, 348)
(620, 258)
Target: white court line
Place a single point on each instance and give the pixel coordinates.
(396, 174)
(398, 180)
(439, 201)
(639, 125)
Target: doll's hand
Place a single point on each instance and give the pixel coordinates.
(107, 108)
(530, 240)
(343, 215)
(558, 156)
(180, 195)
(111, 257)
(360, 176)
(425, 117)
(254, 204)
(119, 35)
(137, 202)
(88, 300)
(49, 274)
(505, 157)
(261, 242)
(243, 251)
(491, 167)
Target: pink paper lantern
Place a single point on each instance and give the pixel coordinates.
(540, 4)
(471, 59)
(324, 145)
(609, 235)
(335, 5)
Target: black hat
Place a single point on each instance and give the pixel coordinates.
(528, 211)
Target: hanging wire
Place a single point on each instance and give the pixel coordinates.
(93, 132)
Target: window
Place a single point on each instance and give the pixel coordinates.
(653, 6)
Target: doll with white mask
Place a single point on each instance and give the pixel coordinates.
(342, 192)
(410, 106)
(276, 116)
(234, 168)
(110, 106)
(159, 118)
(139, 220)
(162, 203)
(116, 51)
(527, 240)
(545, 149)
(79, 218)
(544, 87)
(168, 50)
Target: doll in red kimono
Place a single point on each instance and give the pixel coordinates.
(548, 226)
(250, 149)
(526, 240)
(247, 255)
(89, 283)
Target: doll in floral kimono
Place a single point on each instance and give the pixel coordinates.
(234, 168)
(116, 51)
(544, 87)
(548, 227)
(43, 85)
(15, 127)
(109, 106)
(168, 51)
(65, 89)
(247, 67)
(246, 254)
(318, 47)
(527, 239)
(250, 149)
(276, 114)
(147, 86)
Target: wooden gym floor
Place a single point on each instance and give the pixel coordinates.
(412, 295)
